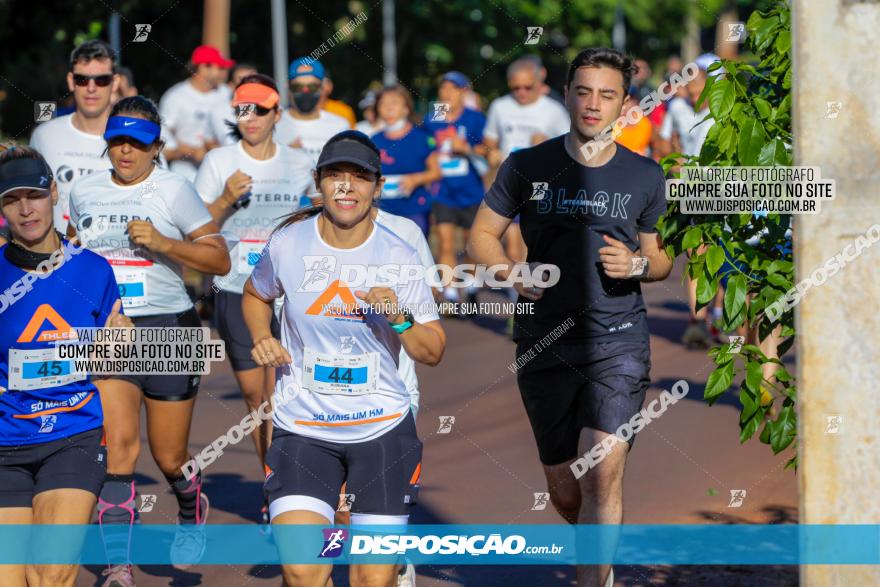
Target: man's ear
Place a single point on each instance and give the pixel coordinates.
(53, 189)
(70, 84)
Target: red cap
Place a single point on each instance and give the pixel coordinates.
(210, 55)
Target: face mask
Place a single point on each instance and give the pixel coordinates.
(397, 126)
(306, 101)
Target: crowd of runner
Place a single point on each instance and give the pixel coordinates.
(200, 195)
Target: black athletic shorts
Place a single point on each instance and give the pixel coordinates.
(166, 387)
(382, 474)
(463, 217)
(76, 462)
(570, 386)
(229, 322)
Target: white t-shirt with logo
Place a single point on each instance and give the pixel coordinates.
(186, 118)
(343, 384)
(411, 234)
(681, 119)
(149, 283)
(279, 184)
(513, 124)
(314, 134)
(71, 154)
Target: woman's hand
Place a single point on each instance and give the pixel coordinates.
(268, 352)
(237, 185)
(143, 233)
(382, 300)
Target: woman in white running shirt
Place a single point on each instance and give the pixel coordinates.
(341, 410)
(156, 225)
(248, 188)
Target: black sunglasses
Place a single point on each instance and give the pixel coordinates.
(303, 87)
(102, 81)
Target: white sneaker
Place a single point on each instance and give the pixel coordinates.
(190, 540)
(610, 581)
(408, 577)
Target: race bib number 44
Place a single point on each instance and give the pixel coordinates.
(40, 369)
(340, 374)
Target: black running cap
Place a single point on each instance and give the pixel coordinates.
(28, 173)
(348, 147)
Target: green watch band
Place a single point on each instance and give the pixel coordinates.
(408, 322)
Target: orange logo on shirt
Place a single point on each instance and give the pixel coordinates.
(63, 330)
(325, 306)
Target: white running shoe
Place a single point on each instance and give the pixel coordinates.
(118, 576)
(408, 577)
(190, 540)
(610, 581)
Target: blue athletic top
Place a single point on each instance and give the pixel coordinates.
(44, 399)
(461, 186)
(402, 156)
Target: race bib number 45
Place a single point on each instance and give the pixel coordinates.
(40, 369)
(340, 374)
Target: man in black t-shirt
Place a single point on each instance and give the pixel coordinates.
(590, 208)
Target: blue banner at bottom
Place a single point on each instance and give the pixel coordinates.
(452, 544)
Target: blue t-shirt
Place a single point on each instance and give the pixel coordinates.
(461, 186)
(408, 154)
(44, 399)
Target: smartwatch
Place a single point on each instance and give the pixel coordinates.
(408, 322)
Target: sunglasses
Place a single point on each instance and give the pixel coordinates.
(242, 110)
(303, 87)
(102, 81)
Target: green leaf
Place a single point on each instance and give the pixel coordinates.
(783, 42)
(762, 106)
(750, 406)
(773, 153)
(751, 140)
(692, 238)
(735, 300)
(714, 259)
(754, 377)
(727, 140)
(748, 429)
(719, 382)
(779, 281)
(706, 288)
(721, 99)
(785, 430)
